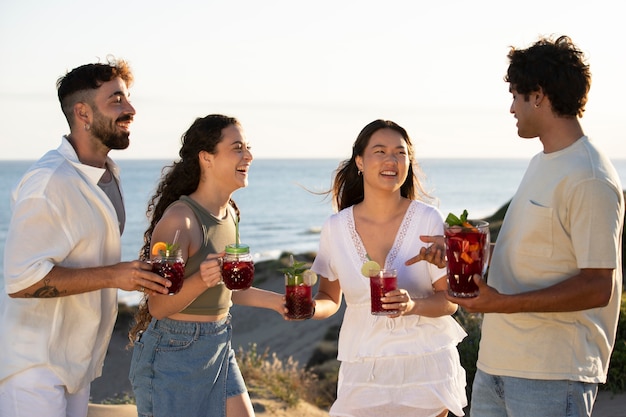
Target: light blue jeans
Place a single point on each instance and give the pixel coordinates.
(503, 396)
(185, 369)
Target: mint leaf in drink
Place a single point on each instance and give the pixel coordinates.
(295, 267)
(453, 220)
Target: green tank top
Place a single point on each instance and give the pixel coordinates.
(217, 234)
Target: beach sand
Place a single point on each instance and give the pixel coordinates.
(268, 330)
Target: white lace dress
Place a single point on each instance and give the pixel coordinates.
(407, 366)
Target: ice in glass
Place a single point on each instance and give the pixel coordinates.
(467, 250)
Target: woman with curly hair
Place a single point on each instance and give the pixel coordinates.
(183, 362)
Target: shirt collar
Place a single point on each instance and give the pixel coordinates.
(93, 173)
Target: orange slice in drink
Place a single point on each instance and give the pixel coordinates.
(467, 258)
(158, 248)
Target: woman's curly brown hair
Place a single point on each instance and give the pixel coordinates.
(180, 178)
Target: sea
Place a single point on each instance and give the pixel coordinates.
(285, 205)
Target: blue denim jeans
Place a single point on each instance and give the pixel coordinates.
(185, 369)
(503, 396)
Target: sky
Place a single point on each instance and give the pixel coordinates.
(304, 78)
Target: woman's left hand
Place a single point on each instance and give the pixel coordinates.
(211, 269)
(398, 300)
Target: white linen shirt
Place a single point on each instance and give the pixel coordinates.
(59, 217)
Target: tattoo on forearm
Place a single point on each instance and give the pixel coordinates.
(47, 291)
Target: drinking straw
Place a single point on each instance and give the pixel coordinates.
(236, 232)
(176, 237)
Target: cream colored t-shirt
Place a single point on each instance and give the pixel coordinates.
(566, 215)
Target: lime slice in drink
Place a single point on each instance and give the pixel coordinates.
(369, 267)
(309, 277)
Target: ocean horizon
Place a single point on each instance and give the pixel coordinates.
(282, 209)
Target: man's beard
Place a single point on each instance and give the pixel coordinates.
(106, 130)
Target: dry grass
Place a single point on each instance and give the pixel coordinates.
(267, 376)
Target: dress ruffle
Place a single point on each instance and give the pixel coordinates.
(405, 366)
(402, 386)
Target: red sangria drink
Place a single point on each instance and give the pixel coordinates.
(381, 282)
(238, 267)
(169, 264)
(467, 250)
(299, 295)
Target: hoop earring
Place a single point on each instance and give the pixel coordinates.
(359, 172)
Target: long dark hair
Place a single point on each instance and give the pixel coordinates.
(179, 179)
(348, 184)
(182, 177)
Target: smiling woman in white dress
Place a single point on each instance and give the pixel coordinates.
(405, 364)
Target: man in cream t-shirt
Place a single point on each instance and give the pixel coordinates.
(555, 281)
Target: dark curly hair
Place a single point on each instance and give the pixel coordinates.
(558, 68)
(348, 184)
(79, 84)
(180, 178)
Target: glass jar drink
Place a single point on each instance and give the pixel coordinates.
(381, 282)
(299, 296)
(238, 267)
(170, 265)
(467, 250)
